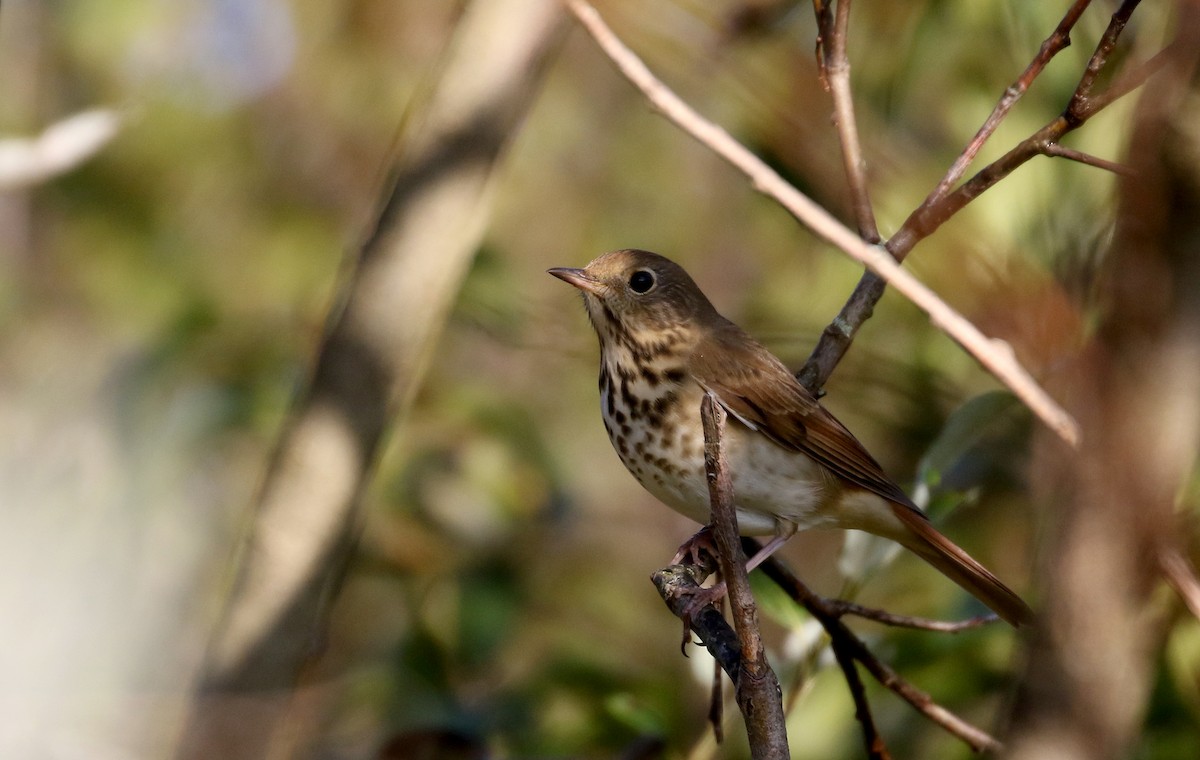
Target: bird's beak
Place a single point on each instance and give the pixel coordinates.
(577, 277)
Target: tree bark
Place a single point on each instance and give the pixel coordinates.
(368, 367)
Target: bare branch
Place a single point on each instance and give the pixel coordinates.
(758, 693)
(936, 209)
(836, 65)
(995, 355)
(1058, 41)
(1058, 151)
(1126, 83)
(1095, 64)
(680, 584)
(827, 615)
(876, 749)
(843, 607)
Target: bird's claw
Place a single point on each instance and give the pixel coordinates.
(691, 551)
(695, 603)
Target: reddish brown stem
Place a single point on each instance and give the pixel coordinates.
(937, 208)
(836, 65)
(1058, 41)
(1058, 151)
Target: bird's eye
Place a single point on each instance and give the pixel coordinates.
(641, 281)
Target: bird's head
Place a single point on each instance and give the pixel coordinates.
(638, 297)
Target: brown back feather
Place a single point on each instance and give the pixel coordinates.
(757, 388)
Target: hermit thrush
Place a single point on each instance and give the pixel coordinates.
(793, 465)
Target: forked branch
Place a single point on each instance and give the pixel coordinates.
(943, 203)
(829, 613)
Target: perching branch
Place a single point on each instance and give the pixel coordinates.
(995, 355)
(679, 584)
(757, 688)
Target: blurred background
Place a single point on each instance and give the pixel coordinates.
(161, 304)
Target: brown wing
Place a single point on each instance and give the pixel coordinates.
(758, 389)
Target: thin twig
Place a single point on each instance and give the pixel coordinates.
(822, 9)
(995, 355)
(1058, 41)
(1059, 151)
(842, 607)
(836, 64)
(757, 688)
(1124, 84)
(876, 749)
(1104, 48)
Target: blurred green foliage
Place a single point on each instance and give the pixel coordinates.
(159, 308)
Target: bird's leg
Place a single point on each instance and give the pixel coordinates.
(768, 549)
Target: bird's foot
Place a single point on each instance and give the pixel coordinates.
(691, 551)
(694, 605)
(702, 597)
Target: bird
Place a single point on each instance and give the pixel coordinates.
(794, 466)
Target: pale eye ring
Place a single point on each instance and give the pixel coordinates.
(641, 281)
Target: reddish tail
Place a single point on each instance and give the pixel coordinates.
(960, 567)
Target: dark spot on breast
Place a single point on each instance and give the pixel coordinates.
(625, 429)
(675, 375)
(648, 406)
(663, 402)
(620, 417)
(627, 397)
(650, 375)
